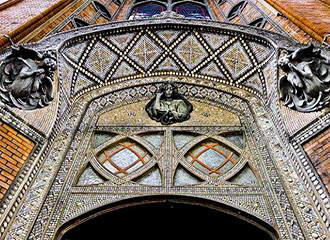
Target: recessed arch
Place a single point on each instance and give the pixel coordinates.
(179, 211)
(146, 10)
(192, 10)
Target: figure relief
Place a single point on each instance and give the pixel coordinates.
(26, 78)
(168, 106)
(306, 85)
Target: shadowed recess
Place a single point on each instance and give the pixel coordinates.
(170, 219)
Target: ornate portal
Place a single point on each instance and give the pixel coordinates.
(306, 87)
(175, 110)
(26, 78)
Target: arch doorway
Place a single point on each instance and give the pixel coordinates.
(168, 218)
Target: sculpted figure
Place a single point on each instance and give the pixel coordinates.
(26, 78)
(306, 87)
(168, 106)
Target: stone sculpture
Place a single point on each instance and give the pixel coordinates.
(168, 106)
(26, 78)
(306, 85)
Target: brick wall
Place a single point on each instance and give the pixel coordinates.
(318, 150)
(14, 150)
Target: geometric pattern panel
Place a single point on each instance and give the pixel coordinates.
(214, 40)
(66, 72)
(212, 158)
(236, 60)
(89, 177)
(132, 53)
(123, 158)
(168, 36)
(121, 41)
(213, 70)
(74, 52)
(150, 178)
(245, 177)
(261, 52)
(81, 83)
(145, 52)
(183, 177)
(124, 70)
(191, 52)
(255, 82)
(100, 60)
(168, 64)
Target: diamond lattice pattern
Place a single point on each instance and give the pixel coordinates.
(212, 158)
(124, 158)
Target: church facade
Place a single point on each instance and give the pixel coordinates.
(111, 104)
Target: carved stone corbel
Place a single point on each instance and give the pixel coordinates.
(26, 78)
(306, 85)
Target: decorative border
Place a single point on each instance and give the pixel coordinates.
(307, 171)
(23, 180)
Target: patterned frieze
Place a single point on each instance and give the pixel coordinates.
(221, 56)
(81, 203)
(92, 57)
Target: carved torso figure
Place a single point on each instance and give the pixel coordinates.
(168, 106)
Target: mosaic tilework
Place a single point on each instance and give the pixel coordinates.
(75, 52)
(124, 70)
(100, 60)
(214, 40)
(191, 52)
(202, 94)
(145, 52)
(121, 41)
(168, 65)
(168, 36)
(236, 60)
(255, 82)
(225, 57)
(81, 83)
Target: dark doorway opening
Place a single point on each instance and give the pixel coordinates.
(173, 220)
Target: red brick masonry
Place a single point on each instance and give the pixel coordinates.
(14, 150)
(318, 150)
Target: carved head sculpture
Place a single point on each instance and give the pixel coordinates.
(284, 61)
(169, 90)
(306, 85)
(26, 78)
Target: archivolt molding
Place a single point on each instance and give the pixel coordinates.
(220, 55)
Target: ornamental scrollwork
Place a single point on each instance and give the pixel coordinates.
(306, 85)
(26, 78)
